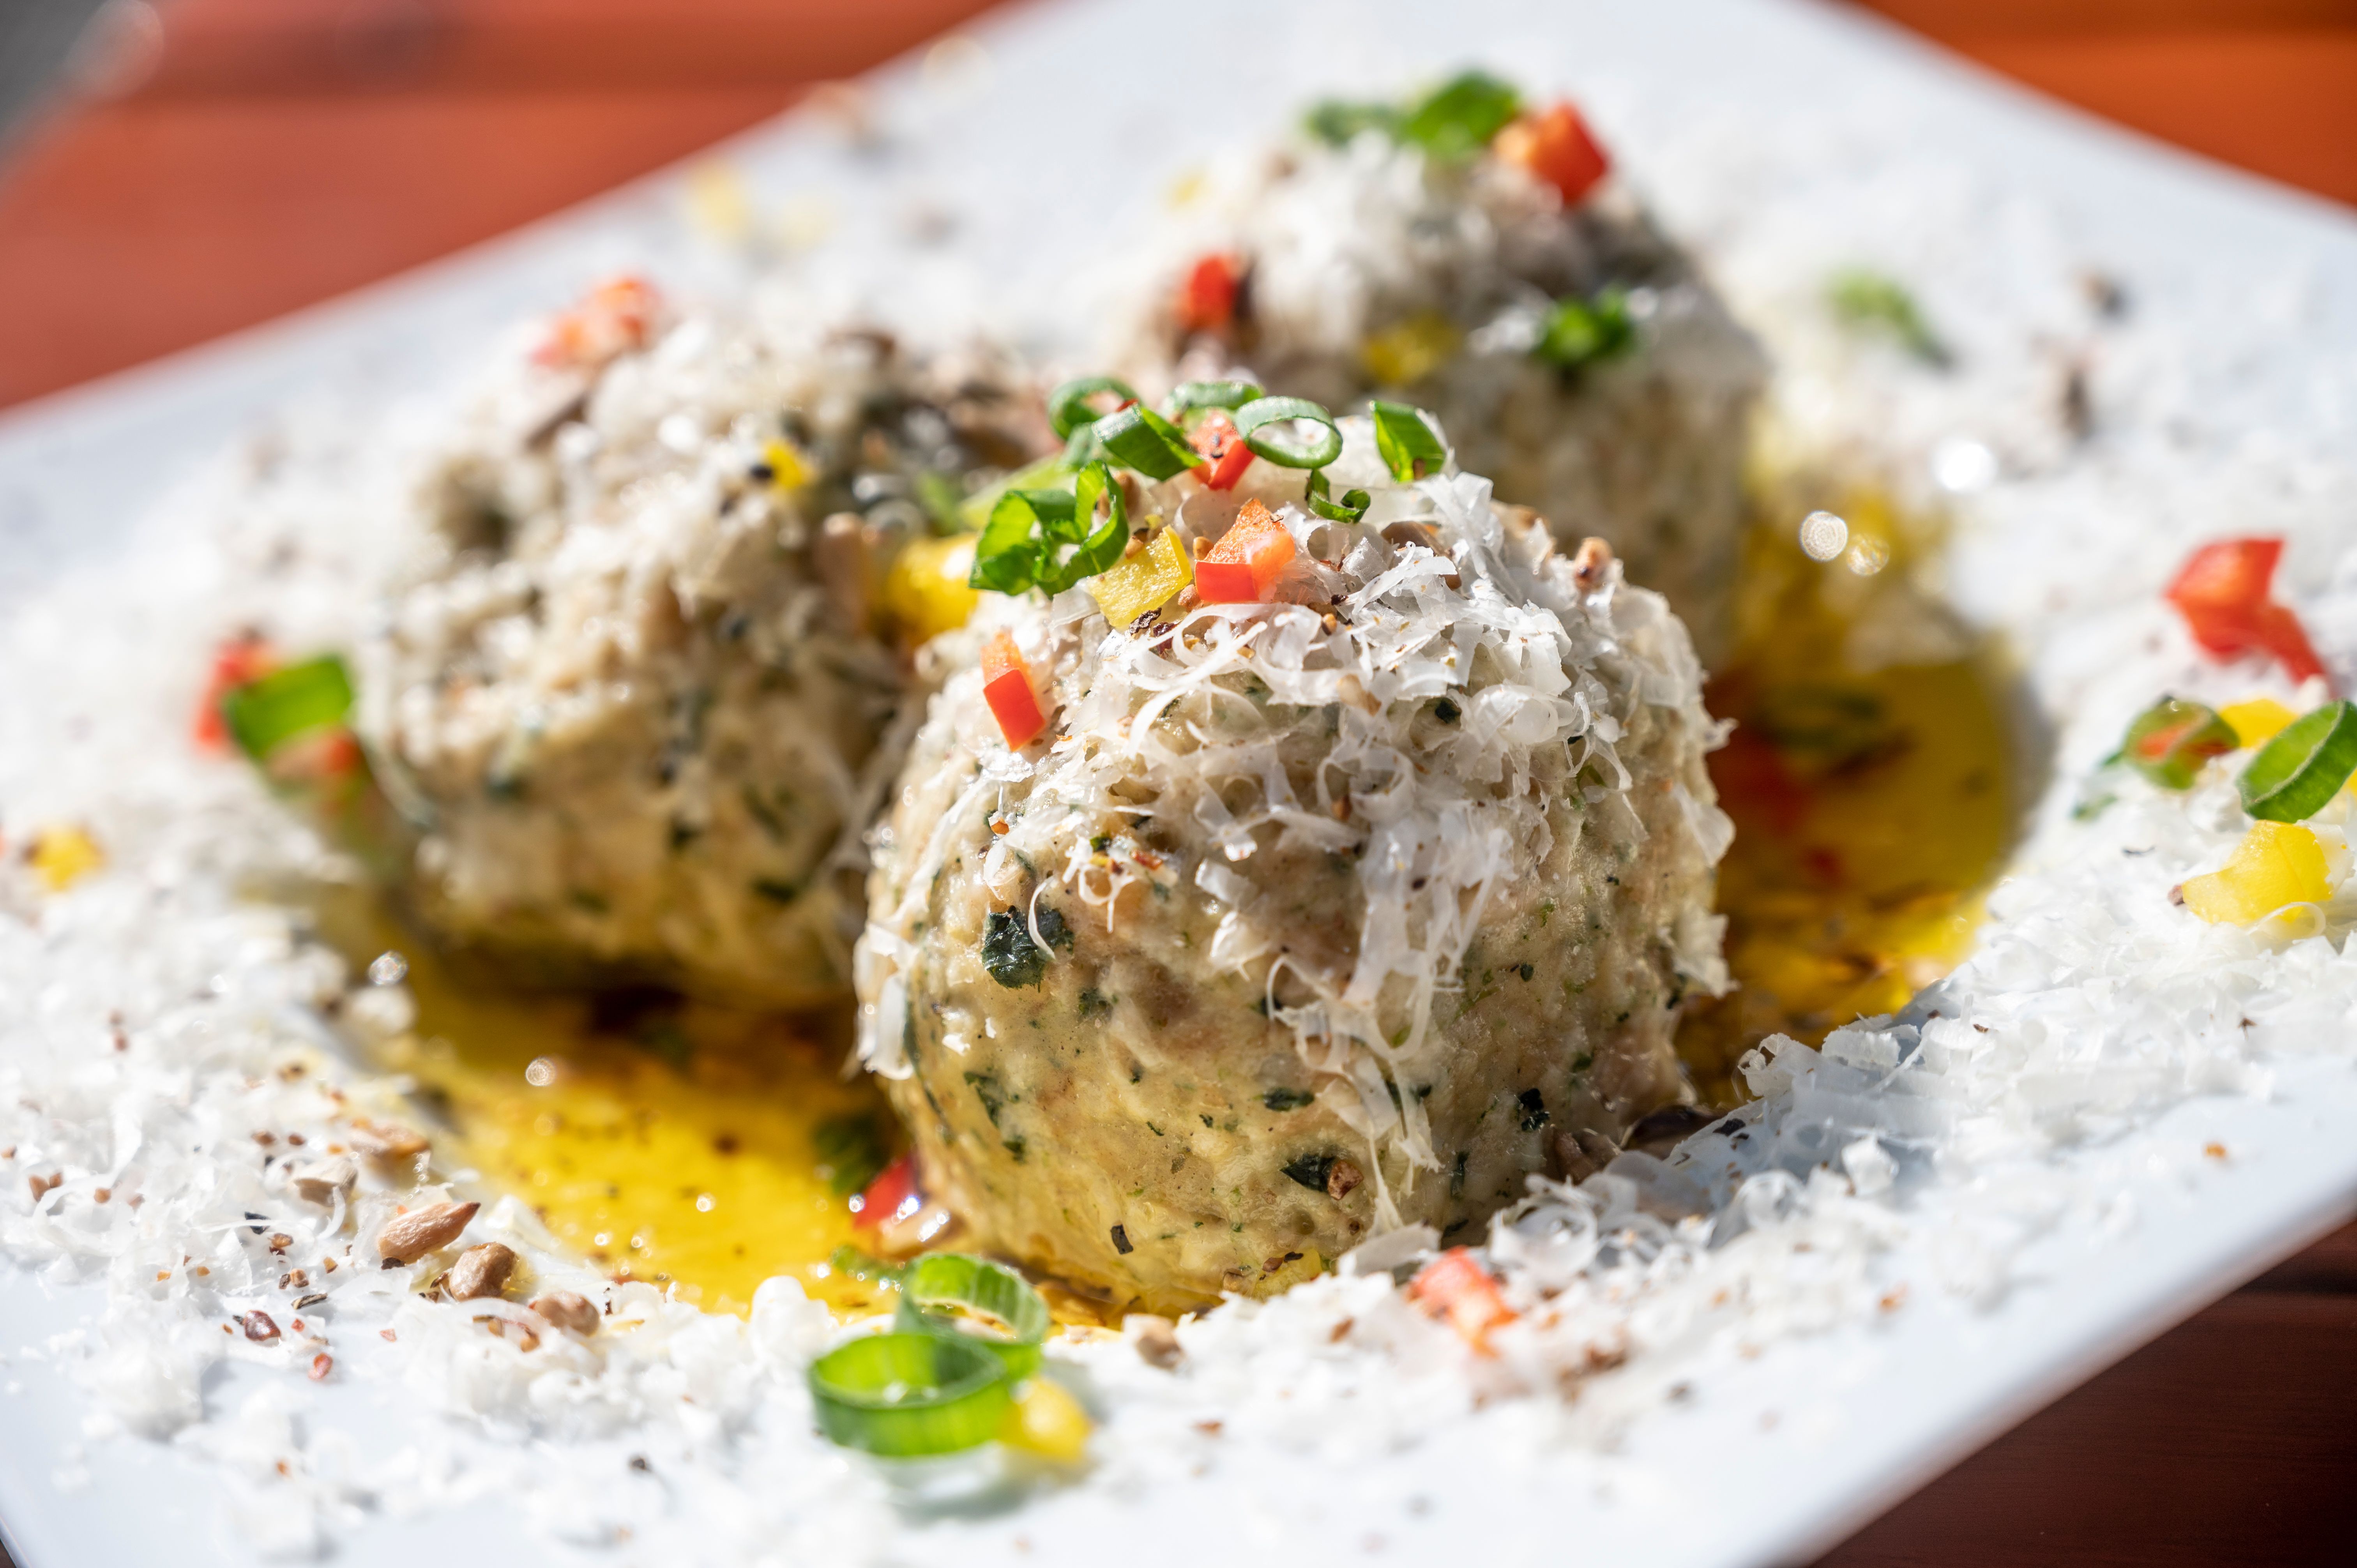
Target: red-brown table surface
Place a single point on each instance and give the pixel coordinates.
(261, 155)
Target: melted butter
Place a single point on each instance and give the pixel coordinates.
(1871, 777)
(669, 1142)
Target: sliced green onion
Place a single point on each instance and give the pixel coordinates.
(265, 715)
(980, 1286)
(907, 1395)
(1407, 439)
(1094, 550)
(1137, 437)
(1581, 332)
(1006, 556)
(1871, 302)
(939, 494)
(1461, 116)
(1068, 405)
(2296, 774)
(1050, 539)
(1188, 396)
(1339, 122)
(2169, 741)
(1350, 508)
(1261, 411)
(975, 509)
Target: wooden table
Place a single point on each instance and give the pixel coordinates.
(248, 156)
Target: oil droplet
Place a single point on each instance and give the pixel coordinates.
(541, 1073)
(1823, 535)
(389, 968)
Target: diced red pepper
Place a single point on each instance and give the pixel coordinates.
(1239, 569)
(1226, 455)
(1207, 295)
(1557, 147)
(1006, 687)
(1456, 1287)
(894, 1188)
(611, 318)
(243, 659)
(2224, 593)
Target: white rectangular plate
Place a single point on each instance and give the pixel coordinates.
(1071, 127)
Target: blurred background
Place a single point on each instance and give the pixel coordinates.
(176, 169)
(204, 165)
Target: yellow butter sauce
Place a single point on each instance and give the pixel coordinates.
(1870, 775)
(666, 1140)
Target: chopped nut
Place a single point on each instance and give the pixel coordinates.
(1157, 1342)
(1342, 1178)
(525, 1338)
(388, 1141)
(481, 1271)
(1588, 564)
(408, 1237)
(319, 1181)
(314, 1299)
(568, 1311)
(259, 1327)
(43, 1186)
(321, 1364)
(280, 1240)
(101, 1195)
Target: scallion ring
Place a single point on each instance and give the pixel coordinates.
(1051, 540)
(980, 1286)
(1006, 556)
(1350, 508)
(2172, 741)
(1461, 116)
(1188, 396)
(2296, 774)
(1068, 405)
(1261, 413)
(907, 1395)
(1137, 437)
(1095, 548)
(1405, 439)
(265, 713)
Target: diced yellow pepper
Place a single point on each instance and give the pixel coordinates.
(1147, 580)
(926, 589)
(2276, 864)
(1403, 355)
(63, 856)
(788, 470)
(2256, 721)
(718, 201)
(1047, 1421)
